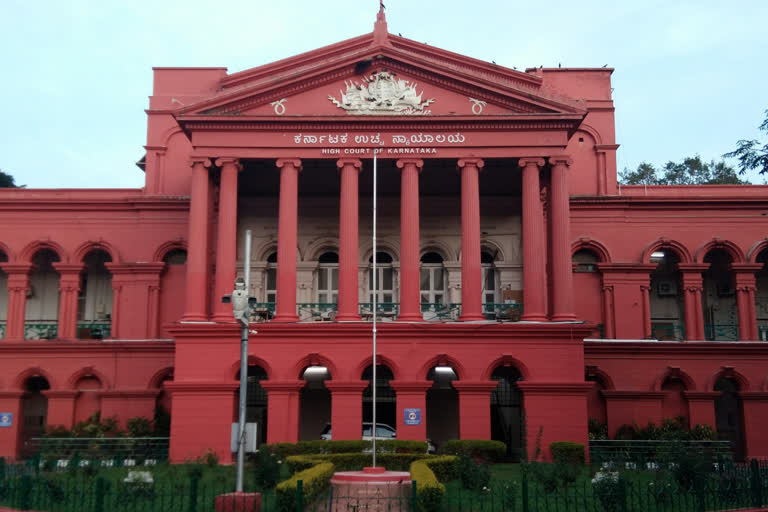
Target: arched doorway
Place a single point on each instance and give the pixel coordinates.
(255, 400)
(666, 297)
(596, 406)
(674, 404)
(172, 288)
(35, 412)
(386, 400)
(721, 316)
(88, 399)
(314, 403)
(42, 309)
(761, 296)
(442, 406)
(94, 300)
(728, 415)
(507, 410)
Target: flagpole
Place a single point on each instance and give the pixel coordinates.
(373, 381)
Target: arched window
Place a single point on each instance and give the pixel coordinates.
(666, 297)
(270, 290)
(3, 296)
(42, 310)
(719, 298)
(432, 279)
(385, 282)
(94, 300)
(328, 278)
(587, 280)
(490, 281)
(761, 296)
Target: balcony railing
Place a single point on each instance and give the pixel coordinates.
(41, 329)
(440, 312)
(317, 311)
(721, 332)
(384, 310)
(665, 331)
(503, 311)
(94, 330)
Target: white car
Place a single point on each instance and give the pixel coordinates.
(383, 432)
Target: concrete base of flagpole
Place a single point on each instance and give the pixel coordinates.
(372, 489)
(239, 502)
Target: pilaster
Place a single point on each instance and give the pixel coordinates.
(18, 287)
(69, 287)
(746, 286)
(474, 407)
(283, 401)
(135, 300)
(693, 286)
(411, 395)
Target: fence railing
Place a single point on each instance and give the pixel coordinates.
(317, 311)
(384, 310)
(101, 451)
(503, 311)
(641, 454)
(94, 330)
(727, 487)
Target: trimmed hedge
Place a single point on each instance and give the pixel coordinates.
(314, 481)
(428, 488)
(320, 446)
(487, 451)
(356, 461)
(566, 452)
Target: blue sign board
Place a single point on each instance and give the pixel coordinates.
(412, 416)
(6, 419)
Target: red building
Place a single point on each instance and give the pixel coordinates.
(515, 274)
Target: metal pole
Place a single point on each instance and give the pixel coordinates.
(375, 302)
(243, 367)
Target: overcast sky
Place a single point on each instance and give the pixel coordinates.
(691, 76)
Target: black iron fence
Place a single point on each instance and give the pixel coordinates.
(648, 455)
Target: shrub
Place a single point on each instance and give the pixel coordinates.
(473, 476)
(401, 446)
(139, 427)
(565, 452)
(597, 430)
(478, 449)
(267, 471)
(445, 467)
(430, 491)
(314, 481)
(355, 461)
(610, 488)
(626, 432)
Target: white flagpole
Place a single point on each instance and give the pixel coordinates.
(373, 381)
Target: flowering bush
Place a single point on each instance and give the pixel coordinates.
(610, 489)
(138, 484)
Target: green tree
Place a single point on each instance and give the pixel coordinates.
(691, 171)
(751, 154)
(7, 181)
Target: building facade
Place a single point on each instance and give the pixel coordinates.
(521, 290)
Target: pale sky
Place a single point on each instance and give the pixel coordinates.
(691, 76)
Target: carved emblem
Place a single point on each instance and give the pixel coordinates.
(382, 94)
(279, 106)
(477, 106)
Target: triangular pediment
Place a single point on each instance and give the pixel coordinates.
(394, 77)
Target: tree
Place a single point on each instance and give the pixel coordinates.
(751, 156)
(7, 181)
(691, 171)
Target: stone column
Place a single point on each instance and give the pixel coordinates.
(475, 407)
(410, 310)
(746, 286)
(560, 213)
(287, 233)
(471, 270)
(18, 287)
(283, 400)
(69, 286)
(693, 285)
(534, 241)
(411, 395)
(348, 240)
(346, 408)
(226, 238)
(195, 309)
